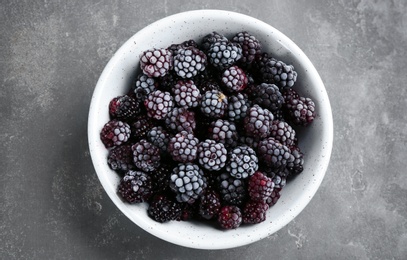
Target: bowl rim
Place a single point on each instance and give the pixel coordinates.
(93, 139)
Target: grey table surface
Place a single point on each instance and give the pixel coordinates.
(52, 203)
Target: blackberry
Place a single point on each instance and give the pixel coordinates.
(188, 182)
(250, 46)
(181, 119)
(273, 154)
(160, 177)
(234, 79)
(267, 96)
(144, 85)
(159, 104)
(223, 131)
(146, 156)
(242, 162)
(282, 132)
(232, 190)
(238, 106)
(279, 178)
(163, 209)
(209, 204)
(273, 198)
(168, 81)
(260, 186)
(120, 158)
(289, 94)
(186, 94)
(159, 137)
(189, 62)
(297, 165)
(279, 73)
(183, 147)
(189, 211)
(301, 111)
(230, 217)
(222, 55)
(176, 47)
(257, 122)
(135, 187)
(214, 104)
(211, 38)
(141, 127)
(212, 155)
(208, 85)
(254, 212)
(124, 108)
(115, 133)
(156, 62)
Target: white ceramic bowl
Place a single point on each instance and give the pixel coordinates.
(315, 141)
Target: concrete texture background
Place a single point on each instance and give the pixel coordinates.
(52, 204)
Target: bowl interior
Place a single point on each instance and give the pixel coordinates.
(315, 141)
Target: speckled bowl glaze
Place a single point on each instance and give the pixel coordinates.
(315, 141)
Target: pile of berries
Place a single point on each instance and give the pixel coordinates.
(208, 131)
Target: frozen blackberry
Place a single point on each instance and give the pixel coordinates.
(183, 147)
(212, 155)
(159, 137)
(211, 38)
(163, 209)
(209, 204)
(273, 154)
(188, 182)
(135, 187)
(189, 62)
(234, 79)
(297, 165)
(224, 131)
(273, 198)
(120, 158)
(260, 186)
(214, 104)
(176, 47)
(141, 127)
(279, 178)
(289, 94)
(282, 132)
(279, 73)
(230, 217)
(257, 122)
(238, 106)
(267, 96)
(144, 85)
(146, 156)
(186, 94)
(254, 212)
(159, 104)
(156, 62)
(232, 190)
(301, 111)
(250, 46)
(115, 133)
(124, 108)
(181, 119)
(242, 162)
(222, 54)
